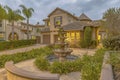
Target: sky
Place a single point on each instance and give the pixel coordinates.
(42, 8)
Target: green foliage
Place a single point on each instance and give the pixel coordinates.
(115, 61)
(59, 67)
(112, 43)
(42, 63)
(92, 66)
(24, 55)
(88, 36)
(89, 66)
(87, 41)
(3, 13)
(93, 44)
(66, 67)
(112, 21)
(5, 45)
(82, 44)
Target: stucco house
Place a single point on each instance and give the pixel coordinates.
(20, 31)
(73, 26)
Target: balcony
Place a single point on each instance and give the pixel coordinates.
(45, 30)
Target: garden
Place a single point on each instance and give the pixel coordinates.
(83, 65)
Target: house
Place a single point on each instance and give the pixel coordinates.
(73, 26)
(20, 31)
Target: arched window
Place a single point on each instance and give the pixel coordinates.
(16, 37)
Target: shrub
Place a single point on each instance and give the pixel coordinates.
(42, 63)
(87, 36)
(112, 43)
(59, 67)
(92, 65)
(115, 61)
(93, 44)
(82, 44)
(66, 67)
(5, 45)
(24, 55)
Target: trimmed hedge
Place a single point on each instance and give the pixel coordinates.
(24, 55)
(5, 45)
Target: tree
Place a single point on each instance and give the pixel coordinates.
(87, 36)
(27, 12)
(2, 13)
(12, 16)
(112, 21)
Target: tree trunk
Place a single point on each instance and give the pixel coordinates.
(13, 30)
(27, 28)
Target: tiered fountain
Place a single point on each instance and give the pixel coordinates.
(63, 52)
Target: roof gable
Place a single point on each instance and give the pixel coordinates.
(59, 10)
(83, 17)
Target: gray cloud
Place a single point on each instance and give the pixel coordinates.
(93, 8)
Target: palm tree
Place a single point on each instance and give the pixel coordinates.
(12, 16)
(27, 12)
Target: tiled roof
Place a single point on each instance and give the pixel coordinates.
(84, 17)
(78, 25)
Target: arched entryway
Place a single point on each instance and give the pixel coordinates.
(16, 37)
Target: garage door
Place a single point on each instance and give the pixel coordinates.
(46, 39)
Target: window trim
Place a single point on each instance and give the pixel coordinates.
(57, 20)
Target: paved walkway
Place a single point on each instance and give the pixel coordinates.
(81, 52)
(21, 49)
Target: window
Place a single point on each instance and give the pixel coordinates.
(1, 36)
(58, 21)
(48, 23)
(77, 35)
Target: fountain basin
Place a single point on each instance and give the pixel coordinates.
(52, 58)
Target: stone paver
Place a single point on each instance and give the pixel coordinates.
(21, 49)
